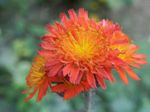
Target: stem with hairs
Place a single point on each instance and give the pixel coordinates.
(89, 101)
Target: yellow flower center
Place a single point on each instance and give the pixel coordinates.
(83, 44)
(83, 49)
(37, 73)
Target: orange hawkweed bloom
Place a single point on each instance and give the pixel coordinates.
(37, 80)
(131, 59)
(83, 48)
(80, 53)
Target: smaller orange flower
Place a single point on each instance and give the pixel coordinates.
(130, 59)
(37, 80)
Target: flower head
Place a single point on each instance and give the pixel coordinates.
(37, 80)
(80, 53)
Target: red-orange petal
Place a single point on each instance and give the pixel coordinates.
(108, 75)
(122, 74)
(31, 95)
(42, 90)
(72, 14)
(91, 80)
(139, 61)
(101, 82)
(135, 65)
(60, 28)
(66, 70)
(59, 88)
(79, 77)
(53, 30)
(54, 70)
(131, 73)
(45, 53)
(72, 92)
(83, 13)
(74, 74)
(139, 56)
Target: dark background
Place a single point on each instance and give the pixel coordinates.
(22, 23)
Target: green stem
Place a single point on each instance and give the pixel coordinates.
(88, 101)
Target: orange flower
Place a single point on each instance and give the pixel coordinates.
(79, 54)
(37, 80)
(130, 58)
(85, 49)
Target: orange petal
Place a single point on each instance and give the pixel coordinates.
(139, 56)
(66, 69)
(60, 28)
(54, 70)
(31, 95)
(51, 63)
(135, 65)
(42, 90)
(83, 17)
(45, 53)
(101, 82)
(108, 75)
(52, 30)
(64, 19)
(74, 74)
(83, 13)
(59, 88)
(79, 77)
(86, 86)
(122, 74)
(72, 92)
(139, 61)
(72, 14)
(91, 80)
(48, 38)
(131, 73)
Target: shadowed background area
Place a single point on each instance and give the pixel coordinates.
(22, 23)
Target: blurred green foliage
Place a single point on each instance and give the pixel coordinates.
(22, 23)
